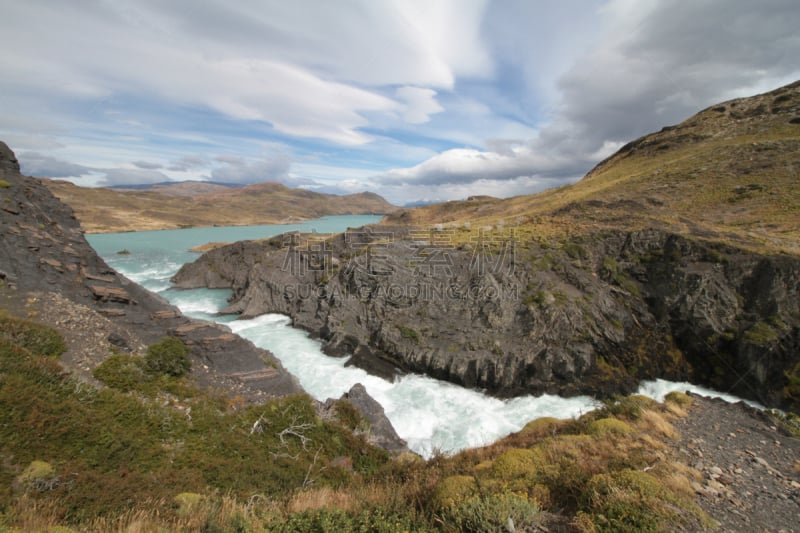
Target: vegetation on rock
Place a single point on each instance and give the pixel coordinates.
(168, 356)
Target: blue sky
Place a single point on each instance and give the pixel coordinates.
(418, 100)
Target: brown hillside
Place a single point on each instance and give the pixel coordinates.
(106, 210)
(728, 173)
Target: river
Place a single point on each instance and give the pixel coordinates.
(430, 415)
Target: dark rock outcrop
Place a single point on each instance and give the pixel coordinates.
(380, 432)
(43, 250)
(593, 315)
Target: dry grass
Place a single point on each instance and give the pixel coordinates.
(655, 423)
(321, 498)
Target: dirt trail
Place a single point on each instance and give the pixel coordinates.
(750, 466)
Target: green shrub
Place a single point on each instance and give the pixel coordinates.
(36, 338)
(338, 521)
(347, 414)
(538, 298)
(610, 265)
(629, 406)
(408, 333)
(606, 426)
(517, 463)
(122, 372)
(575, 250)
(4, 184)
(453, 490)
(791, 391)
(760, 334)
(168, 356)
(678, 398)
(545, 426)
(492, 513)
(187, 502)
(36, 472)
(628, 500)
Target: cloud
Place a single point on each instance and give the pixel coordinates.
(465, 165)
(146, 165)
(45, 166)
(654, 64)
(31, 142)
(131, 176)
(267, 61)
(189, 162)
(658, 63)
(425, 193)
(420, 104)
(239, 171)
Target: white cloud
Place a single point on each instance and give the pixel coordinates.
(653, 64)
(131, 176)
(236, 170)
(469, 166)
(445, 96)
(188, 162)
(503, 188)
(420, 104)
(46, 166)
(307, 76)
(148, 165)
(31, 142)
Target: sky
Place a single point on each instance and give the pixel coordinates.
(417, 100)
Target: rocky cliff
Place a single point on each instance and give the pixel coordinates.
(44, 256)
(675, 258)
(592, 315)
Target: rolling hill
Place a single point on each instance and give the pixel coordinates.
(729, 173)
(102, 210)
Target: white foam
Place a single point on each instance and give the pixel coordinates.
(659, 388)
(429, 414)
(196, 303)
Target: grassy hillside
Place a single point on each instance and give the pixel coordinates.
(729, 173)
(149, 452)
(106, 210)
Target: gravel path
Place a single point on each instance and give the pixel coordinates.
(750, 466)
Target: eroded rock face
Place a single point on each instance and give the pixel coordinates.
(8, 161)
(43, 250)
(594, 315)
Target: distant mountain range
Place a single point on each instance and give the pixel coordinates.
(196, 203)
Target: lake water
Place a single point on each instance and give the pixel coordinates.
(429, 414)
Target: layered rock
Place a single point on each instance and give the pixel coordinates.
(589, 315)
(43, 250)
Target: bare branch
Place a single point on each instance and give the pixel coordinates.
(296, 429)
(308, 481)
